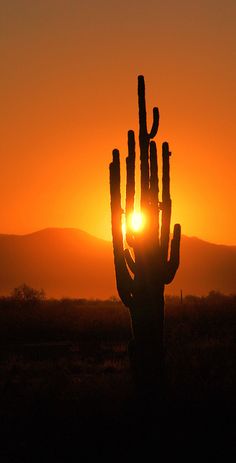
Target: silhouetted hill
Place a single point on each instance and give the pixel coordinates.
(70, 262)
(64, 262)
(204, 267)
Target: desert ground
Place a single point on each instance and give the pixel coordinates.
(67, 391)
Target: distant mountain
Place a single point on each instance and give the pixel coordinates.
(70, 262)
(205, 267)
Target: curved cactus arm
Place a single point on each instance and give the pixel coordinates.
(123, 278)
(173, 263)
(143, 112)
(155, 124)
(130, 185)
(166, 201)
(130, 261)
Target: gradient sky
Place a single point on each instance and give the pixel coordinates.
(69, 94)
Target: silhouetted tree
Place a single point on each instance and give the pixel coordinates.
(142, 263)
(26, 294)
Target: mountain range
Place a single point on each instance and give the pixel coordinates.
(71, 263)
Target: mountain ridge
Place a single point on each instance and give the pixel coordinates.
(79, 230)
(69, 262)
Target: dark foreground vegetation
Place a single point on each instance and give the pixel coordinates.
(66, 392)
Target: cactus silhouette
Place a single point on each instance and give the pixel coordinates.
(142, 263)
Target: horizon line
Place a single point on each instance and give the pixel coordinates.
(99, 238)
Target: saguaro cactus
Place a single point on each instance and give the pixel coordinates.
(142, 263)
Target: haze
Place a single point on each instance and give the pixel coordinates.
(69, 94)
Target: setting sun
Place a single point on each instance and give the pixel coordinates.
(137, 221)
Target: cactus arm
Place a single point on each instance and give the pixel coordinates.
(154, 190)
(123, 279)
(166, 172)
(130, 261)
(166, 201)
(130, 166)
(130, 185)
(155, 124)
(173, 263)
(143, 112)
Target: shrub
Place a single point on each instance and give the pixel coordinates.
(26, 294)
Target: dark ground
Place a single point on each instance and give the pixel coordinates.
(66, 391)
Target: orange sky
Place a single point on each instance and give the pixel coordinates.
(69, 94)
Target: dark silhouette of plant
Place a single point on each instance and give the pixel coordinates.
(142, 263)
(25, 294)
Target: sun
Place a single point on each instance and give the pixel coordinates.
(137, 221)
(134, 223)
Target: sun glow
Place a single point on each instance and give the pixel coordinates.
(137, 221)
